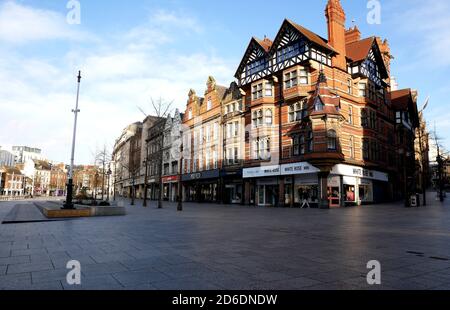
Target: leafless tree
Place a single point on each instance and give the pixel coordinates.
(101, 159)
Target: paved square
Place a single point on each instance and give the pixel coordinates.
(231, 247)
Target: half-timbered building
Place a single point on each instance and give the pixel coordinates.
(320, 124)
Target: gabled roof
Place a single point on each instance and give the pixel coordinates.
(255, 43)
(221, 90)
(359, 51)
(311, 36)
(402, 100)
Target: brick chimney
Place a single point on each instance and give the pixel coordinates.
(336, 32)
(352, 35)
(385, 52)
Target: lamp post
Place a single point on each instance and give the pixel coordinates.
(69, 200)
(109, 175)
(146, 174)
(180, 184)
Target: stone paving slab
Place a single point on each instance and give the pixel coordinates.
(24, 213)
(218, 247)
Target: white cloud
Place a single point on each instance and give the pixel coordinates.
(37, 94)
(22, 24)
(428, 26)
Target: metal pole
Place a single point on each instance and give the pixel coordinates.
(69, 199)
(146, 174)
(180, 184)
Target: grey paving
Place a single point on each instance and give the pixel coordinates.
(231, 247)
(24, 213)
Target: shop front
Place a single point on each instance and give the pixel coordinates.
(201, 186)
(170, 188)
(262, 185)
(356, 186)
(301, 185)
(233, 186)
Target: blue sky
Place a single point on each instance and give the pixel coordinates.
(130, 51)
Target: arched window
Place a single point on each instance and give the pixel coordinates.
(332, 140)
(190, 113)
(269, 117)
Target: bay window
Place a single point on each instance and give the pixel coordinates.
(290, 79)
(332, 140)
(257, 91)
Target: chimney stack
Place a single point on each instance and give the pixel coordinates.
(336, 32)
(352, 35)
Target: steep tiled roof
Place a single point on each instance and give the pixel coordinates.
(358, 51)
(221, 90)
(401, 98)
(266, 44)
(311, 36)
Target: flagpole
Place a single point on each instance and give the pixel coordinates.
(69, 200)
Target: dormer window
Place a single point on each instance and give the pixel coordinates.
(318, 105)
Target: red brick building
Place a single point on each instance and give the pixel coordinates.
(321, 122)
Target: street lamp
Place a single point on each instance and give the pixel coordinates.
(69, 200)
(180, 189)
(146, 174)
(109, 175)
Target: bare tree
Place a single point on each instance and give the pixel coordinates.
(161, 108)
(440, 163)
(102, 159)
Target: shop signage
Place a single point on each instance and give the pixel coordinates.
(264, 171)
(231, 173)
(359, 172)
(212, 174)
(173, 178)
(298, 168)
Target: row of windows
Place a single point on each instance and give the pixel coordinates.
(261, 148)
(293, 78)
(233, 107)
(298, 111)
(210, 161)
(302, 143)
(263, 89)
(258, 118)
(232, 156)
(369, 119)
(232, 130)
